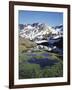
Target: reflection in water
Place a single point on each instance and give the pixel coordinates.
(43, 61)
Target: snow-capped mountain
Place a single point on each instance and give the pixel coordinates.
(46, 37)
(59, 29)
(38, 31)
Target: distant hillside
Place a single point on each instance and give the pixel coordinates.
(25, 44)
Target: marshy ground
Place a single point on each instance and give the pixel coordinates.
(40, 64)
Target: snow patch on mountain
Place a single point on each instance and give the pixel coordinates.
(45, 36)
(39, 31)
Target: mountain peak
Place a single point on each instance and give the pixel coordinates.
(39, 31)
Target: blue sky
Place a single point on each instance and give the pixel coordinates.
(50, 18)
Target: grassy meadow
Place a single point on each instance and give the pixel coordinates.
(38, 64)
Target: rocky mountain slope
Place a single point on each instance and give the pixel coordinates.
(42, 36)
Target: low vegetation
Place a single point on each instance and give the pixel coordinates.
(34, 70)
